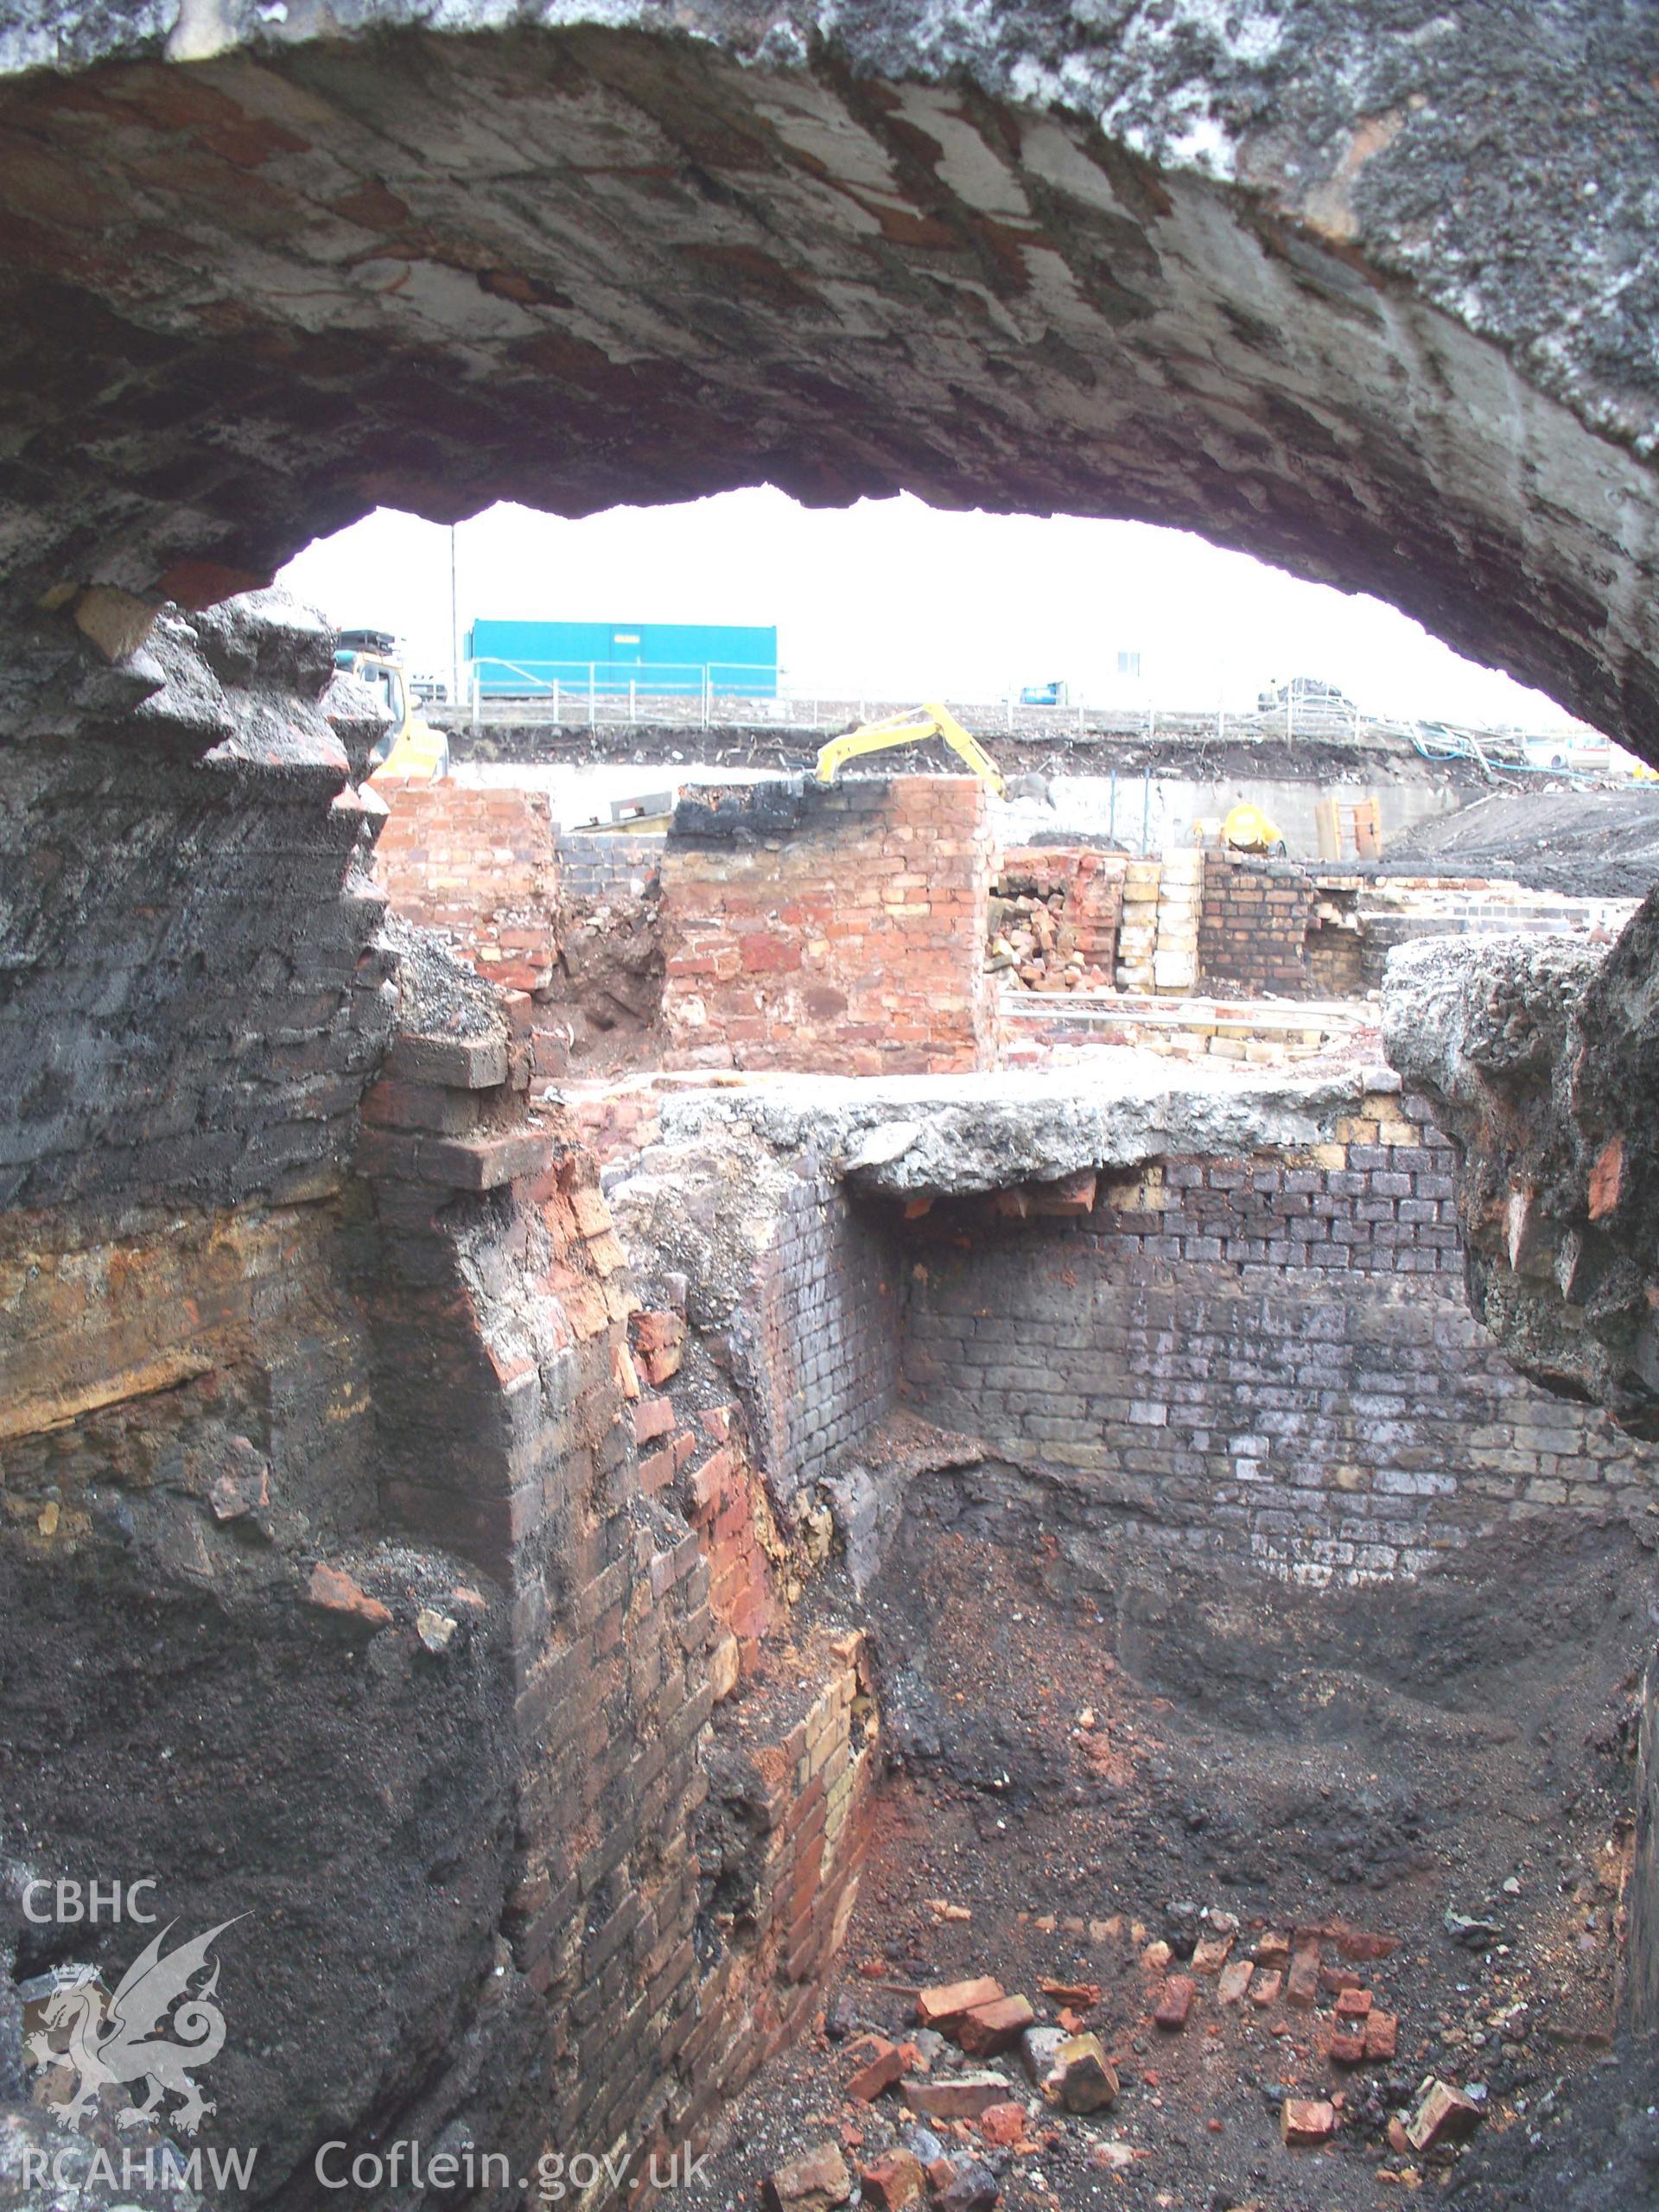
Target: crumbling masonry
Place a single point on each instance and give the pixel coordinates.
(446, 1504)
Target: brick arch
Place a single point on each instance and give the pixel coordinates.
(1302, 293)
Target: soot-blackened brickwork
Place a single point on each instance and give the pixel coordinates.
(1253, 925)
(595, 865)
(1269, 1359)
(828, 1310)
(194, 987)
(194, 996)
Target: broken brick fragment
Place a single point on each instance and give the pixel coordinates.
(1382, 2035)
(1302, 1982)
(1067, 1194)
(1039, 2048)
(1441, 2114)
(1234, 1981)
(814, 2183)
(944, 2006)
(1175, 2003)
(335, 1592)
(956, 2096)
(894, 2182)
(652, 1417)
(879, 2073)
(1002, 2126)
(1347, 2044)
(989, 2029)
(1082, 2079)
(1353, 2004)
(1266, 1988)
(657, 1339)
(1210, 1955)
(1083, 1994)
(234, 1496)
(1606, 1178)
(725, 1668)
(1363, 1946)
(1307, 2122)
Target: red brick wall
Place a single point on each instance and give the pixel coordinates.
(479, 865)
(851, 942)
(527, 1414)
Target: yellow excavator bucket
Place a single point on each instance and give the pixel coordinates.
(930, 719)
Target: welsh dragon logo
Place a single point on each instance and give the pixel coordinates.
(115, 2041)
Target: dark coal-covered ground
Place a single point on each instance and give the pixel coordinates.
(1378, 757)
(1595, 843)
(1077, 1795)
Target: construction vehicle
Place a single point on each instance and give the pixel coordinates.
(409, 746)
(912, 727)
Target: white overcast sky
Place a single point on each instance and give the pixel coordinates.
(892, 599)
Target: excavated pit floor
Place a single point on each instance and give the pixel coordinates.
(1083, 1763)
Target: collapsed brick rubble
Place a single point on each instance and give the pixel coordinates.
(914, 1475)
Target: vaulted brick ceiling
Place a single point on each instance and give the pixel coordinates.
(1334, 290)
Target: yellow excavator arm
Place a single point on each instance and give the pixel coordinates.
(909, 728)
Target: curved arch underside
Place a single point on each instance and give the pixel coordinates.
(1365, 287)
(249, 297)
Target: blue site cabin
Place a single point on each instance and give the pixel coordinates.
(525, 659)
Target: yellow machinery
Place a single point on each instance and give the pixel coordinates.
(1246, 829)
(910, 728)
(409, 746)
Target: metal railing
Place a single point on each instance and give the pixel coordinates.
(595, 695)
(591, 690)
